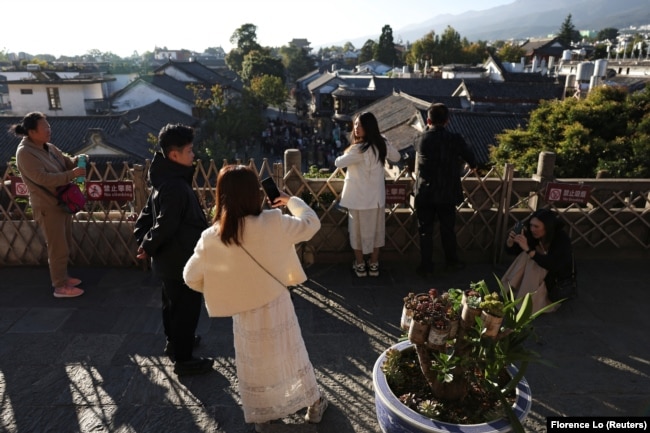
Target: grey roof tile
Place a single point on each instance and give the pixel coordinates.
(126, 132)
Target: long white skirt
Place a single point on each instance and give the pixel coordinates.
(367, 229)
(276, 378)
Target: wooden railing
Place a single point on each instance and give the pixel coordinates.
(616, 218)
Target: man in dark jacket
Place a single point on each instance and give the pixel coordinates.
(438, 187)
(167, 230)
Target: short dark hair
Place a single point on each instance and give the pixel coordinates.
(438, 113)
(29, 123)
(175, 136)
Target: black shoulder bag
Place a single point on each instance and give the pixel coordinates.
(565, 288)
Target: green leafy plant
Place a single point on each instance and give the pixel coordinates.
(473, 298)
(492, 304)
(465, 380)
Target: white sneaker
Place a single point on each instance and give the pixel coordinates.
(315, 412)
(373, 269)
(359, 269)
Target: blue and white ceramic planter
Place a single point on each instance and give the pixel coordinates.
(394, 417)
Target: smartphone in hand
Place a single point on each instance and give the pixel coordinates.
(270, 189)
(519, 227)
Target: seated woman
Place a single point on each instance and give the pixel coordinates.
(544, 257)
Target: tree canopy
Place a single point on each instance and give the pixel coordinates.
(608, 130)
(446, 49)
(568, 32)
(226, 125)
(257, 63)
(296, 61)
(270, 90)
(385, 51)
(245, 40)
(367, 51)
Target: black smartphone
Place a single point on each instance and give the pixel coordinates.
(270, 188)
(518, 227)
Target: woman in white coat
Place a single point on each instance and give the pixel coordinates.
(243, 264)
(364, 191)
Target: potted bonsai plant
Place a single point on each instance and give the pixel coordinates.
(491, 314)
(473, 381)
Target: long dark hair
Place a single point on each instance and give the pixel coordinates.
(552, 223)
(373, 138)
(29, 123)
(238, 195)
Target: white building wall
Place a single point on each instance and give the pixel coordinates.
(70, 95)
(142, 94)
(93, 91)
(121, 81)
(179, 75)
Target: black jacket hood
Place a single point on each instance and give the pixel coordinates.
(163, 169)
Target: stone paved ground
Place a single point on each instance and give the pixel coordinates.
(95, 363)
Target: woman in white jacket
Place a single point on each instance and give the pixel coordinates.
(364, 191)
(243, 264)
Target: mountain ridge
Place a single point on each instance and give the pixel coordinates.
(524, 19)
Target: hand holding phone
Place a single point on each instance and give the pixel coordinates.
(270, 189)
(519, 227)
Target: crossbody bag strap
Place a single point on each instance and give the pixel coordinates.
(58, 161)
(260, 265)
(40, 186)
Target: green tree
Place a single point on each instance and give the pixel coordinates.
(600, 51)
(423, 50)
(245, 38)
(475, 52)
(226, 125)
(608, 130)
(511, 53)
(450, 47)
(270, 90)
(257, 63)
(296, 61)
(568, 32)
(367, 51)
(608, 33)
(385, 51)
(245, 41)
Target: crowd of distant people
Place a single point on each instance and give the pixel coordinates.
(316, 148)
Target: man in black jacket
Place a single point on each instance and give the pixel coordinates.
(438, 187)
(167, 231)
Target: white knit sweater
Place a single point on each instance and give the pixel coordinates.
(231, 281)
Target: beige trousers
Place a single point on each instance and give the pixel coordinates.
(525, 276)
(57, 229)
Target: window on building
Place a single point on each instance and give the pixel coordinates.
(53, 98)
(26, 91)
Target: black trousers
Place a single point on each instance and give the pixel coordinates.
(445, 213)
(181, 308)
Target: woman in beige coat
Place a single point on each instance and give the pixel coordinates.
(43, 168)
(243, 265)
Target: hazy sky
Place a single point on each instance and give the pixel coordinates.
(73, 27)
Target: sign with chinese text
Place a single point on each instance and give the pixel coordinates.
(568, 192)
(18, 187)
(397, 192)
(109, 190)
